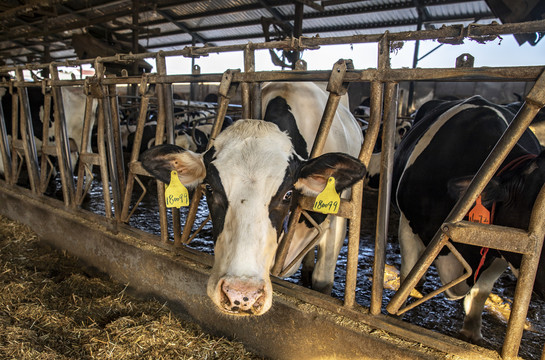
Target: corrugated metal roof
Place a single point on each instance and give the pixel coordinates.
(25, 30)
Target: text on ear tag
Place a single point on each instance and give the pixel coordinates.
(176, 194)
(479, 213)
(328, 201)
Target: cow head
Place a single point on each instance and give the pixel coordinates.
(249, 176)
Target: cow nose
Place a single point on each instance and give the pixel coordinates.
(241, 296)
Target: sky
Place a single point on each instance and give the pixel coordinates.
(500, 52)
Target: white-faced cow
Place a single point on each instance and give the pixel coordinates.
(250, 173)
(434, 165)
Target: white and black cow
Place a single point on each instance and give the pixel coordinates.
(74, 101)
(250, 173)
(433, 166)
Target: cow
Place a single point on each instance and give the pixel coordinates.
(434, 165)
(74, 101)
(250, 174)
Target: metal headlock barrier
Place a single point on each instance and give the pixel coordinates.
(118, 186)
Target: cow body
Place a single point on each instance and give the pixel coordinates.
(434, 165)
(250, 174)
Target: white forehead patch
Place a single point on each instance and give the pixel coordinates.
(251, 158)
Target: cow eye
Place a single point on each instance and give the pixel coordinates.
(209, 188)
(287, 196)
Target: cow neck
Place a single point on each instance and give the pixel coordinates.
(513, 164)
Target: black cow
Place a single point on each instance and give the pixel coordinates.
(433, 166)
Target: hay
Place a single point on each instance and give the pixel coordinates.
(51, 309)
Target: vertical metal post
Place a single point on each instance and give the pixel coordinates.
(27, 134)
(4, 146)
(249, 67)
(226, 90)
(61, 140)
(146, 92)
(353, 245)
(84, 144)
(14, 134)
(44, 168)
(383, 210)
(114, 111)
(98, 91)
(166, 116)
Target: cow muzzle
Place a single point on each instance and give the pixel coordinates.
(239, 296)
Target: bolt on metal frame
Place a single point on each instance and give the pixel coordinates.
(383, 84)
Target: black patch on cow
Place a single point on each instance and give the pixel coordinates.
(282, 202)
(156, 161)
(279, 112)
(216, 198)
(346, 169)
(201, 140)
(36, 103)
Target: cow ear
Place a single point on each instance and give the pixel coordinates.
(160, 160)
(314, 173)
(492, 192)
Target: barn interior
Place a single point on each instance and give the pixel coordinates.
(119, 50)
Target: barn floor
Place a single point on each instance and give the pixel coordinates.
(51, 309)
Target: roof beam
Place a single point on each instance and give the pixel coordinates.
(167, 15)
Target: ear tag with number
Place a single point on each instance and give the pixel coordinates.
(479, 213)
(176, 194)
(328, 201)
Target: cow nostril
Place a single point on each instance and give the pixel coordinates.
(237, 302)
(245, 299)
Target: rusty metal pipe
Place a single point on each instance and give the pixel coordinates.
(27, 136)
(80, 191)
(384, 194)
(4, 146)
(353, 245)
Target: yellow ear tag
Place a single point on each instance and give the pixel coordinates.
(176, 194)
(328, 201)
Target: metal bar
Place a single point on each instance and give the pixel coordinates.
(307, 248)
(80, 191)
(284, 245)
(353, 245)
(101, 144)
(454, 31)
(4, 146)
(159, 136)
(114, 111)
(61, 142)
(112, 155)
(44, 178)
(373, 128)
(490, 236)
(226, 91)
(27, 136)
(14, 135)
(249, 66)
(98, 91)
(135, 152)
(384, 194)
(483, 176)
